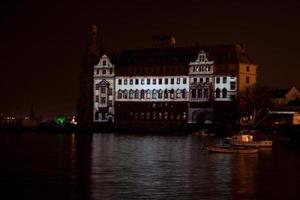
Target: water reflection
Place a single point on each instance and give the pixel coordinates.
(112, 166)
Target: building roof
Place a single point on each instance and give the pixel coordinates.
(220, 54)
(279, 93)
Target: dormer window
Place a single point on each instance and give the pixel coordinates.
(104, 62)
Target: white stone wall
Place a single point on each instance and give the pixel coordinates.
(227, 85)
(163, 86)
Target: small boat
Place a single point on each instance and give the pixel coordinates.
(203, 132)
(231, 149)
(245, 139)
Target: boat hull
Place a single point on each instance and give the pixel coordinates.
(216, 149)
(263, 143)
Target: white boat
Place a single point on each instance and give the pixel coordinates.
(245, 139)
(231, 149)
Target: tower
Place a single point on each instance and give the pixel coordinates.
(89, 60)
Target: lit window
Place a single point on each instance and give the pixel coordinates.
(160, 94)
(159, 115)
(154, 115)
(166, 115)
(148, 94)
(172, 95)
(154, 94)
(125, 94)
(178, 93)
(136, 94)
(130, 94)
(154, 81)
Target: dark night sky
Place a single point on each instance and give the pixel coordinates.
(41, 42)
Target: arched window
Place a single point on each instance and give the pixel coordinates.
(224, 93)
(136, 94)
(125, 94)
(183, 93)
(178, 93)
(199, 91)
(166, 94)
(154, 94)
(160, 94)
(120, 94)
(148, 94)
(205, 93)
(218, 93)
(142, 94)
(130, 94)
(172, 93)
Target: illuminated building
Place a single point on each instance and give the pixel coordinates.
(171, 85)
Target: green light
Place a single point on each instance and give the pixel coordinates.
(60, 120)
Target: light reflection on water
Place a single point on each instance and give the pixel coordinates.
(115, 166)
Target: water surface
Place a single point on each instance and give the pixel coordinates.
(116, 166)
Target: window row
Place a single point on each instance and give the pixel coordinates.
(104, 71)
(218, 80)
(200, 93)
(153, 81)
(201, 80)
(152, 94)
(157, 116)
(218, 93)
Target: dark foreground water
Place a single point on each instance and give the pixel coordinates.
(111, 166)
